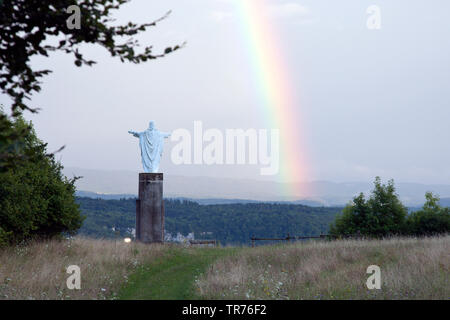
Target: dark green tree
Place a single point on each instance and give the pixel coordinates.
(433, 219)
(381, 215)
(36, 199)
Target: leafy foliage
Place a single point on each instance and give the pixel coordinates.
(103, 215)
(384, 215)
(228, 223)
(25, 25)
(4, 237)
(11, 141)
(381, 215)
(431, 220)
(36, 199)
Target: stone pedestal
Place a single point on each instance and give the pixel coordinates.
(150, 208)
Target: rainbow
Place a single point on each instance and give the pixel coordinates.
(275, 91)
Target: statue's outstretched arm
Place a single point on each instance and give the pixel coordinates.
(166, 134)
(136, 134)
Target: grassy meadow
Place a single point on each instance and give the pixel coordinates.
(410, 269)
(38, 270)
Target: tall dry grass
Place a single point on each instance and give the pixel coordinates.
(410, 269)
(38, 270)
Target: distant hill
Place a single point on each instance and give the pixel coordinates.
(105, 196)
(228, 223)
(313, 193)
(206, 201)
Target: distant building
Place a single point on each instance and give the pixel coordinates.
(168, 237)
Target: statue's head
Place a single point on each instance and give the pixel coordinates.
(151, 125)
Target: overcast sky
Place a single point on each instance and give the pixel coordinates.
(374, 102)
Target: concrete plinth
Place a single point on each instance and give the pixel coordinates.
(150, 208)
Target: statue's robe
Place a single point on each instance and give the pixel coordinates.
(151, 143)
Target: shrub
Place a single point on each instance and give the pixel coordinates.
(36, 199)
(381, 215)
(431, 220)
(4, 237)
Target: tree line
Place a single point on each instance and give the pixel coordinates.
(228, 223)
(382, 214)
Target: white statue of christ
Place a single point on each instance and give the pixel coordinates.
(151, 142)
